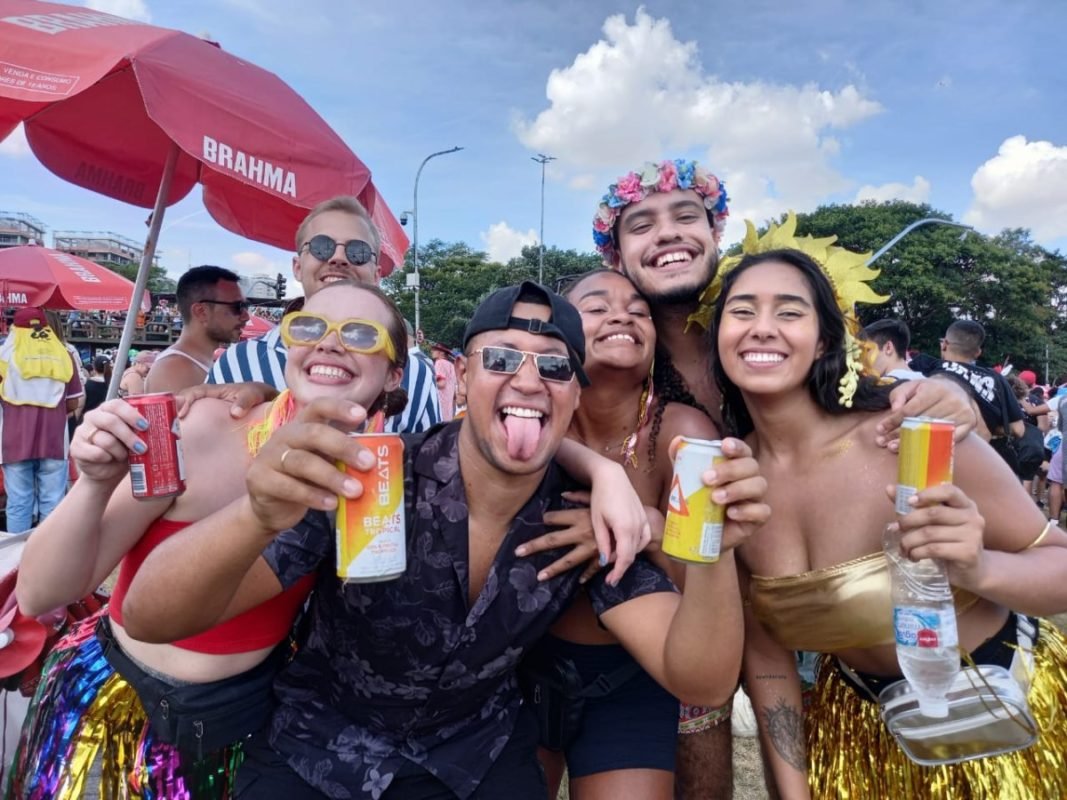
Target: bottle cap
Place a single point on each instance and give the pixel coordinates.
(933, 706)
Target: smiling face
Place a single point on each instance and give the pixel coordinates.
(617, 323)
(328, 369)
(667, 246)
(341, 226)
(517, 421)
(768, 337)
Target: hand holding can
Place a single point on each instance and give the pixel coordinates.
(693, 529)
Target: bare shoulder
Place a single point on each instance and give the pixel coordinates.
(209, 425)
(682, 420)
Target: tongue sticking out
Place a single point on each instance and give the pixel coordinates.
(523, 435)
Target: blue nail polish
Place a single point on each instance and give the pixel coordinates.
(140, 448)
(603, 560)
(142, 424)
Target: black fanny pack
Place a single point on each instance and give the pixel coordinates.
(553, 687)
(199, 718)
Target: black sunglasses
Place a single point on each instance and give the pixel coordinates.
(508, 361)
(236, 306)
(322, 247)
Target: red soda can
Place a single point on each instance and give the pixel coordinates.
(160, 470)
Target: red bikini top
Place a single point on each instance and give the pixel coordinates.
(263, 626)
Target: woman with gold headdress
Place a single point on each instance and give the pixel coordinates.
(793, 382)
(349, 343)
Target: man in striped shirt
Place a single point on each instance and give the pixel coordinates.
(336, 241)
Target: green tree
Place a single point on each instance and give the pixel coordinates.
(158, 282)
(1015, 288)
(455, 279)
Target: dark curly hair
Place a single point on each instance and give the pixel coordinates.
(827, 370)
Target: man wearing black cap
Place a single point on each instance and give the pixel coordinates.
(408, 688)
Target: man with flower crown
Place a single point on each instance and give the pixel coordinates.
(662, 227)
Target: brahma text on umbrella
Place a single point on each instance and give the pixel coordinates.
(81, 272)
(32, 80)
(59, 23)
(15, 299)
(255, 169)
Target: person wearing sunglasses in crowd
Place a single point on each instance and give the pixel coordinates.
(337, 240)
(408, 688)
(623, 741)
(347, 345)
(214, 312)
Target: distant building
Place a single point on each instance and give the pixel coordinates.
(17, 228)
(104, 247)
(258, 286)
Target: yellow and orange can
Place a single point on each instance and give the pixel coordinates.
(371, 540)
(925, 459)
(693, 531)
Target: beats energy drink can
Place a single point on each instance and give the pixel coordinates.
(371, 541)
(160, 470)
(693, 531)
(925, 459)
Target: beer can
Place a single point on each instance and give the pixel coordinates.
(160, 470)
(371, 540)
(925, 458)
(693, 531)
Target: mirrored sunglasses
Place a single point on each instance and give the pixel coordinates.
(322, 247)
(505, 360)
(305, 329)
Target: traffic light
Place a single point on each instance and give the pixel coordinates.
(279, 286)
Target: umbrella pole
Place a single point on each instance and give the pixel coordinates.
(122, 356)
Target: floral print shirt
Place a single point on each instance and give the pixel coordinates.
(407, 669)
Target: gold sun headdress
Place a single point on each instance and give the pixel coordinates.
(849, 276)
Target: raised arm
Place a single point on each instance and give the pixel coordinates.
(215, 569)
(78, 545)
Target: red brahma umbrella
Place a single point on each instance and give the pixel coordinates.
(40, 277)
(142, 114)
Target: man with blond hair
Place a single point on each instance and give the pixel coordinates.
(337, 240)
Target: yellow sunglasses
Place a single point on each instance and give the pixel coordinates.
(307, 329)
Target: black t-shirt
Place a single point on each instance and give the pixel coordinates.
(95, 392)
(991, 391)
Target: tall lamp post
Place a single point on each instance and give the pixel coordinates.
(541, 159)
(928, 221)
(415, 232)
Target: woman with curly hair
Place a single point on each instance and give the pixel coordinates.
(622, 740)
(816, 578)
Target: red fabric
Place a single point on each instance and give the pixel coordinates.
(39, 276)
(31, 432)
(256, 327)
(104, 98)
(263, 626)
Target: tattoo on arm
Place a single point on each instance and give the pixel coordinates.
(785, 729)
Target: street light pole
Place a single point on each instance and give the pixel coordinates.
(541, 159)
(415, 228)
(910, 228)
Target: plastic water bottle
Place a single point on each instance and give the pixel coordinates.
(924, 621)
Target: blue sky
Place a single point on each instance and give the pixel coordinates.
(959, 104)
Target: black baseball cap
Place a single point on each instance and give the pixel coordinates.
(564, 321)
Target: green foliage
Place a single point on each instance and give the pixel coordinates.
(455, 279)
(1015, 288)
(158, 282)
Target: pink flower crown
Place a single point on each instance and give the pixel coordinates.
(666, 176)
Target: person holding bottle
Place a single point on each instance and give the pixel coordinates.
(794, 384)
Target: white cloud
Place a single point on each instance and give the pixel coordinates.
(503, 243)
(1023, 186)
(130, 9)
(583, 182)
(251, 263)
(641, 94)
(15, 144)
(917, 192)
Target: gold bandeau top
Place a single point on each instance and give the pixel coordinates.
(845, 606)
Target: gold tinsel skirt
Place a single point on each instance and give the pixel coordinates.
(851, 755)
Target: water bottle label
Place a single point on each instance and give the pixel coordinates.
(925, 627)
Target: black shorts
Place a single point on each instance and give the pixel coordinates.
(516, 774)
(634, 727)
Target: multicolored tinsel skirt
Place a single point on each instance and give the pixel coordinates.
(84, 713)
(852, 756)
